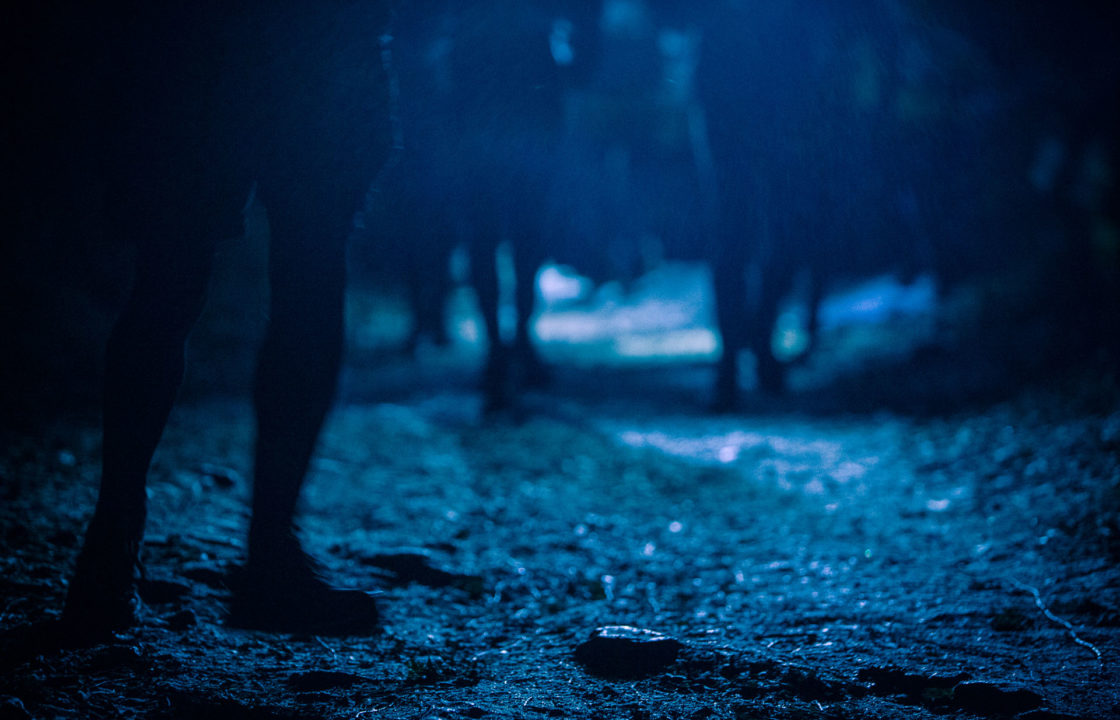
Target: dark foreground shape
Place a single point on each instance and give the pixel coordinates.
(619, 651)
(102, 597)
(187, 119)
(288, 593)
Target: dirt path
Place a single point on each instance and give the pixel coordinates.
(802, 565)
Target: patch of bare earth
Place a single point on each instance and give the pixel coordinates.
(799, 566)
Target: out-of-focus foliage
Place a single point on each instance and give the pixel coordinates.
(971, 140)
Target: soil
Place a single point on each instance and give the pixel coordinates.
(795, 560)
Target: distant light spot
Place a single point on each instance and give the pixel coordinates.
(868, 305)
(467, 330)
(814, 487)
(790, 338)
(688, 342)
(675, 527)
(560, 284)
(848, 471)
(560, 42)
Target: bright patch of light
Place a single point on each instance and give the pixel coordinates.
(559, 285)
(569, 327)
(792, 461)
(695, 342)
(665, 317)
(738, 444)
(608, 321)
(869, 304)
(848, 470)
(814, 487)
(705, 448)
(467, 330)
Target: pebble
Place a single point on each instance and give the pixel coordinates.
(317, 680)
(626, 652)
(915, 685)
(990, 699)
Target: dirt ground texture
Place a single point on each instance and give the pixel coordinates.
(798, 562)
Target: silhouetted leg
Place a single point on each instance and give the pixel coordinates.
(770, 371)
(773, 284)
(297, 371)
(439, 289)
(526, 264)
(144, 366)
(296, 376)
(418, 301)
(729, 285)
(813, 324)
(428, 284)
(484, 276)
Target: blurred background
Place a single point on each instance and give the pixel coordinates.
(919, 190)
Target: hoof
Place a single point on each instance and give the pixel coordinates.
(102, 598)
(292, 597)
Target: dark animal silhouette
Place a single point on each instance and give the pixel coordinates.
(859, 138)
(501, 139)
(186, 107)
(480, 111)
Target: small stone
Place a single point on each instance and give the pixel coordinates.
(990, 699)
(928, 689)
(318, 680)
(626, 652)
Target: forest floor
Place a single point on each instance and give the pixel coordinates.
(801, 564)
(812, 557)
